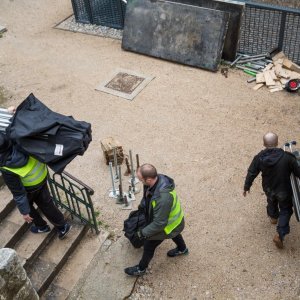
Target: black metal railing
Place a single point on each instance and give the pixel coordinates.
(266, 27)
(74, 196)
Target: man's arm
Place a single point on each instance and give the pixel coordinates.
(16, 187)
(252, 173)
(160, 215)
(294, 166)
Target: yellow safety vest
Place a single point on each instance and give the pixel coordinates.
(33, 173)
(176, 213)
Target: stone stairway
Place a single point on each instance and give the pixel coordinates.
(44, 256)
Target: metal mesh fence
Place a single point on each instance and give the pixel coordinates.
(108, 13)
(266, 27)
(82, 11)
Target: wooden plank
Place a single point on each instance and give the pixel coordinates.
(268, 67)
(258, 86)
(108, 145)
(260, 78)
(268, 78)
(283, 81)
(273, 75)
(294, 75)
(277, 89)
(279, 55)
(291, 66)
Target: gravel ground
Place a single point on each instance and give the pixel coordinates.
(71, 25)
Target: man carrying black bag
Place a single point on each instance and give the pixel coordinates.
(164, 217)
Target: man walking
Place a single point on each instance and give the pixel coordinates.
(276, 167)
(164, 217)
(26, 178)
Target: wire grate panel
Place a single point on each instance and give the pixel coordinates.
(82, 11)
(260, 30)
(291, 41)
(266, 27)
(108, 13)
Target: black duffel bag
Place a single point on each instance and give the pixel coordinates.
(135, 221)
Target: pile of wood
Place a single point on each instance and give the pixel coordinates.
(276, 74)
(108, 145)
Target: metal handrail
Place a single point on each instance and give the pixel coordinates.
(77, 197)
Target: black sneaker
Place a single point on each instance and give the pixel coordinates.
(62, 233)
(40, 229)
(176, 252)
(134, 271)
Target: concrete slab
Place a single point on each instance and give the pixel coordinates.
(182, 33)
(105, 277)
(125, 84)
(236, 10)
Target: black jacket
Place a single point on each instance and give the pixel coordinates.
(14, 158)
(276, 167)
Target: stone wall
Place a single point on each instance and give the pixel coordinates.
(14, 283)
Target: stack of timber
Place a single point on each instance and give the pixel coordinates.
(108, 145)
(276, 74)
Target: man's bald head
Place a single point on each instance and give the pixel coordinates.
(270, 140)
(148, 171)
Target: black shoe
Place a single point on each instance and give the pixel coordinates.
(62, 233)
(39, 229)
(176, 252)
(134, 271)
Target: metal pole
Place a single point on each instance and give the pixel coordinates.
(113, 193)
(132, 167)
(128, 171)
(120, 199)
(116, 164)
(137, 161)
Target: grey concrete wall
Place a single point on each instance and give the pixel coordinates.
(14, 283)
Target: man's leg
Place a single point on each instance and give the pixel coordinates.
(37, 219)
(181, 247)
(272, 207)
(179, 241)
(44, 202)
(286, 211)
(149, 249)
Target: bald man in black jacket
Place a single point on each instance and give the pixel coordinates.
(276, 167)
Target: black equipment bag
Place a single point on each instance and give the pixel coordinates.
(48, 136)
(135, 221)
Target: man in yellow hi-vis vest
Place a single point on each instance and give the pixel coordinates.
(26, 178)
(164, 217)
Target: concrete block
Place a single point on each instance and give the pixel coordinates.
(182, 33)
(236, 10)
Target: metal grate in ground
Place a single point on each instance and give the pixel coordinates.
(124, 83)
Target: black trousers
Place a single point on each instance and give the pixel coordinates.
(151, 245)
(41, 197)
(281, 210)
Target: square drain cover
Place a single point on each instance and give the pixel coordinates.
(124, 83)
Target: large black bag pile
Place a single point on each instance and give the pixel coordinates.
(136, 220)
(48, 136)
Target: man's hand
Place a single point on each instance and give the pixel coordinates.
(27, 218)
(139, 235)
(11, 109)
(245, 193)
